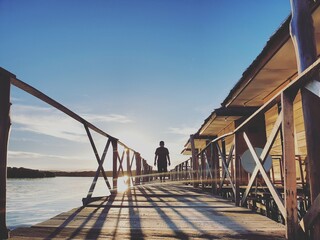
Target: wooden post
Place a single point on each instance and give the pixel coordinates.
(114, 143)
(215, 168)
(138, 168)
(223, 149)
(238, 167)
(203, 170)
(302, 34)
(195, 163)
(240, 148)
(4, 137)
(209, 163)
(290, 185)
(145, 170)
(129, 174)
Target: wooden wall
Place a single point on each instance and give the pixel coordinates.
(300, 140)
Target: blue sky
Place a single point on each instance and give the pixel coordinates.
(142, 70)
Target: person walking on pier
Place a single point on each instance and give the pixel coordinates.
(162, 157)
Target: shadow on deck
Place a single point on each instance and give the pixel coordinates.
(156, 211)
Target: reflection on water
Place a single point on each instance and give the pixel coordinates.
(30, 201)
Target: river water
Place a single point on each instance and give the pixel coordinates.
(30, 201)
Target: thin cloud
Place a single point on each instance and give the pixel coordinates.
(186, 131)
(49, 121)
(34, 155)
(116, 118)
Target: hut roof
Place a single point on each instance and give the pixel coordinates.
(272, 69)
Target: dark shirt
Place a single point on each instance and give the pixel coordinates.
(162, 154)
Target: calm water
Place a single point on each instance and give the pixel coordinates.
(30, 201)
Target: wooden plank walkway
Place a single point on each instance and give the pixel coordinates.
(158, 211)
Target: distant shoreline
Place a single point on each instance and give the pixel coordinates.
(14, 172)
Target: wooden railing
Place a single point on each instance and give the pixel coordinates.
(206, 168)
(119, 149)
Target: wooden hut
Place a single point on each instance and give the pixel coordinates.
(265, 110)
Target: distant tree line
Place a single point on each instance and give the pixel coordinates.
(13, 172)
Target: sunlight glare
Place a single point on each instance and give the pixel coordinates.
(123, 183)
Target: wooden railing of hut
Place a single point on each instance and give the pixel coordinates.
(120, 151)
(203, 167)
(307, 82)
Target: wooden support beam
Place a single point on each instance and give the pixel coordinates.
(100, 168)
(185, 169)
(241, 175)
(215, 168)
(114, 143)
(263, 155)
(312, 214)
(138, 168)
(5, 123)
(303, 37)
(290, 185)
(120, 162)
(209, 162)
(225, 165)
(129, 173)
(203, 170)
(99, 160)
(259, 165)
(195, 162)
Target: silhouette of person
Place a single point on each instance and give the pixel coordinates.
(162, 158)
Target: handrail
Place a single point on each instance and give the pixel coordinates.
(45, 98)
(40, 95)
(7, 79)
(287, 92)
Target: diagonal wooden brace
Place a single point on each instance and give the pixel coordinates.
(225, 166)
(263, 156)
(208, 166)
(311, 215)
(97, 155)
(259, 166)
(100, 167)
(120, 162)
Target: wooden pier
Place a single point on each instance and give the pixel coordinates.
(271, 113)
(157, 211)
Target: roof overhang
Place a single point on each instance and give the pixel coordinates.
(218, 120)
(222, 117)
(273, 68)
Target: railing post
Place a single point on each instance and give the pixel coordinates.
(176, 173)
(290, 185)
(144, 170)
(150, 174)
(203, 167)
(216, 168)
(224, 153)
(4, 137)
(209, 164)
(240, 148)
(303, 38)
(185, 169)
(138, 168)
(195, 162)
(129, 174)
(114, 143)
(237, 180)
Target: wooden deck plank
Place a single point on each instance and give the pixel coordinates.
(156, 212)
